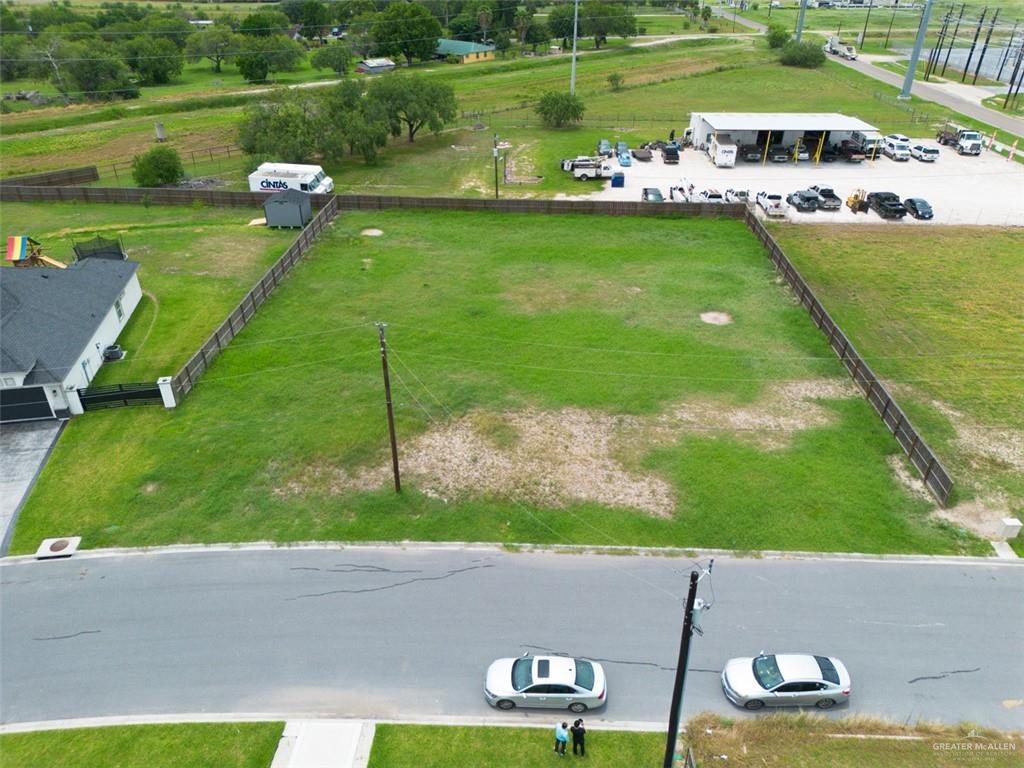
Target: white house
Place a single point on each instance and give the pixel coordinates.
(54, 326)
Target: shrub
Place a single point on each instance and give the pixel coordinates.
(712, 28)
(777, 36)
(558, 110)
(687, 24)
(615, 81)
(159, 166)
(753, 6)
(807, 55)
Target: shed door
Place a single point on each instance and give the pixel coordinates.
(24, 404)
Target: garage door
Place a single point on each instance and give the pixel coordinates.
(25, 404)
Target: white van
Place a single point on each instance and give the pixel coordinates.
(897, 150)
(276, 177)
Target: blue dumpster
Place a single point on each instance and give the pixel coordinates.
(618, 180)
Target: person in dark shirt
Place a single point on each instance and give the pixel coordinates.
(578, 735)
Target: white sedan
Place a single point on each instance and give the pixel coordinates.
(786, 680)
(549, 682)
(924, 154)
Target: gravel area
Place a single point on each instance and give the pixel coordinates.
(986, 189)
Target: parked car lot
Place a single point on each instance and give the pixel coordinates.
(960, 189)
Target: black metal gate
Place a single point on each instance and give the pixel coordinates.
(24, 404)
(118, 395)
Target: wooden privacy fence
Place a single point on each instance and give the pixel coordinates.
(183, 382)
(66, 177)
(935, 476)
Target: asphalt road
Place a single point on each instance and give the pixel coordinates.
(392, 633)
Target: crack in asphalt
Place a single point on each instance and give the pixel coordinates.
(350, 568)
(944, 675)
(448, 575)
(68, 637)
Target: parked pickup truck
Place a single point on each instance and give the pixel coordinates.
(583, 161)
(887, 205)
(828, 200)
(964, 140)
(851, 152)
(772, 204)
(585, 172)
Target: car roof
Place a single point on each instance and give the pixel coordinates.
(798, 666)
(561, 670)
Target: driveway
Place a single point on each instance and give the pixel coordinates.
(24, 449)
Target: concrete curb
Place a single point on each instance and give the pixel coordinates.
(539, 719)
(511, 549)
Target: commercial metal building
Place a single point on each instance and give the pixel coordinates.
(778, 128)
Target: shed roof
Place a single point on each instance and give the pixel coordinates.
(294, 196)
(376, 63)
(784, 121)
(48, 316)
(446, 47)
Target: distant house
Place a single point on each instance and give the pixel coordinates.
(201, 22)
(375, 66)
(54, 326)
(466, 52)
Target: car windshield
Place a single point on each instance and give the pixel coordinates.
(766, 672)
(585, 674)
(522, 673)
(828, 670)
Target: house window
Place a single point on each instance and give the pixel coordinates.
(119, 309)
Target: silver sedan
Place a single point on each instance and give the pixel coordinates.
(786, 680)
(551, 682)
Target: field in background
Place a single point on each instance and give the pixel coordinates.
(187, 745)
(547, 387)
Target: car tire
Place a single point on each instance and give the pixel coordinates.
(584, 177)
(578, 707)
(506, 705)
(825, 703)
(753, 705)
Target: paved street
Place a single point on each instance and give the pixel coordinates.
(391, 633)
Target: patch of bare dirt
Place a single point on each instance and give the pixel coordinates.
(150, 488)
(907, 478)
(1005, 446)
(371, 232)
(982, 516)
(570, 456)
(716, 318)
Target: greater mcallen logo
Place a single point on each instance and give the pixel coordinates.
(267, 184)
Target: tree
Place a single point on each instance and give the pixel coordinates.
(169, 27)
(537, 34)
(83, 69)
(502, 42)
(155, 59)
(345, 12)
(560, 21)
(777, 36)
(558, 109)
(598, 20)
(288, 127)
(360, 33)
(407, 29)
(218, 44)
(261, 55)
(523, 21)
(705, 14)
(161, 165)
(14, 57)
(355, 122)
(484, 17)
(807, 55)
(312, 15)
(413, 102)
(335, 56)
(264, 24)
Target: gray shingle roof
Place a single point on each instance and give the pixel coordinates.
(47, 316)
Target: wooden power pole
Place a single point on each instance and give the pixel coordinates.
(387, 398)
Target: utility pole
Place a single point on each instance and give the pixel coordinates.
(952, 41)
(800, 20)
(974, 43)
(1006, 53)
(984, 48)
(889, 30)
(933, 56)
(495, 166)
(575, 28)
(1011, 93)
(691, 620)
(387, 398)
(922, 30)
(864, 33)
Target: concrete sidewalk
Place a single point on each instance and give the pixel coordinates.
(324, 744)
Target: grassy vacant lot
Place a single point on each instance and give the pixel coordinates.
(809, 741)
(198, 745)
(939, 316)
(432, 746)
(554, 383)
(196, 265)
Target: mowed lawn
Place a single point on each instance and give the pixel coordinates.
(938, 316)
(565, 353)
(192, 745)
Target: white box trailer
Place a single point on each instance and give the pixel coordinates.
(722, 150)
(277, 177)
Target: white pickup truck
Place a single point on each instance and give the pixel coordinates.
(772, 204)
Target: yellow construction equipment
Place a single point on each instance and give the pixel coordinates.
(858, 201)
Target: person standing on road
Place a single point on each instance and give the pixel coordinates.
(561, 738)
(578, 735)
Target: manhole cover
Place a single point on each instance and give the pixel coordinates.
(59, 545)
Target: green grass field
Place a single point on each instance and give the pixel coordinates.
(231, 745)
(678, 432)
(196, 264)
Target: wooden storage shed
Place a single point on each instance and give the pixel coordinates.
(290, 208)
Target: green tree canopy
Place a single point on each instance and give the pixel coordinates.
(558, 109)
(160, 165)
(289, 127)
(806, 55)
(407, 29)
(335, 56)
(264, 24)
(599, 20)
(155, 59)
(218, 44)
(169, 27)
(260, 56)
(413, 102)
(560, 21)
